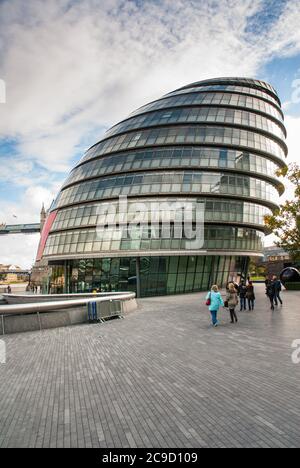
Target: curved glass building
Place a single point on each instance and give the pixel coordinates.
(215, 144)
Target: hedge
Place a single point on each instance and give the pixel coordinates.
(292, 286)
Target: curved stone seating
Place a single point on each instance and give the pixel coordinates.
(34, 298)
(32, 316)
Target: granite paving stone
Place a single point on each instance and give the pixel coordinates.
(162, 377)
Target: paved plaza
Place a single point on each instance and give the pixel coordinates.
(160, 378)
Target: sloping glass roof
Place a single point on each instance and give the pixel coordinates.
(235, 80)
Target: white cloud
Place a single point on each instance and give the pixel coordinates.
(32, 200)
(73, 68)
(284, 38)
(19, 249)
(293, 130)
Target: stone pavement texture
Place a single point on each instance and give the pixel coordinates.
(160, 378)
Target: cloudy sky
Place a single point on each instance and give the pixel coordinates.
(73, 68)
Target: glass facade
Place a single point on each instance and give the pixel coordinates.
(194, 97)
(175, 157)
(215, 144)
(169, 182)
(154, 238)
(202, 135)
(202, 114)
(257, 87)
(157, 275)
(102, 214)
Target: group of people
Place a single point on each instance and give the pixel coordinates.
(273, 290)
(236, 293)
(35, 289)
(244, 294)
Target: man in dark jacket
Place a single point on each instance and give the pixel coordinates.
(267, 283)
(277, 290)
(242, 293)
(271, 293)
(250, 295)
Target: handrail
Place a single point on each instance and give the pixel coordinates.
(56, 305)
(115, 293)
(50, 297)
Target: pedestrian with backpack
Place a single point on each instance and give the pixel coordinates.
(214, 301)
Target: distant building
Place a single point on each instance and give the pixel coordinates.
(11, 274)
(275, 260)
(40, 270)
(43, 217)
(276, 254)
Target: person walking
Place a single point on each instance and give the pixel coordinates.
(242, 293)
(250, 295)
(271, 293)
(236, 286)
(232, 301)
(277, 290)
(214, 302)
(267, 283)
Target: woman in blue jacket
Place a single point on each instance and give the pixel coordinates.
(216, 302)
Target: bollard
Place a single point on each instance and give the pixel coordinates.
(3, 328)
(92, 312)
(39, 321)
(89, 312)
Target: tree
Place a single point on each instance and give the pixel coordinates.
(256, 268)
(285, 223)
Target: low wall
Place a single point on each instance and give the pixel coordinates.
(61, 316)
(41, 321)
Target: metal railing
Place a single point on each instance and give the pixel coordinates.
(40, 307)
(35, 298)
(19, 228)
